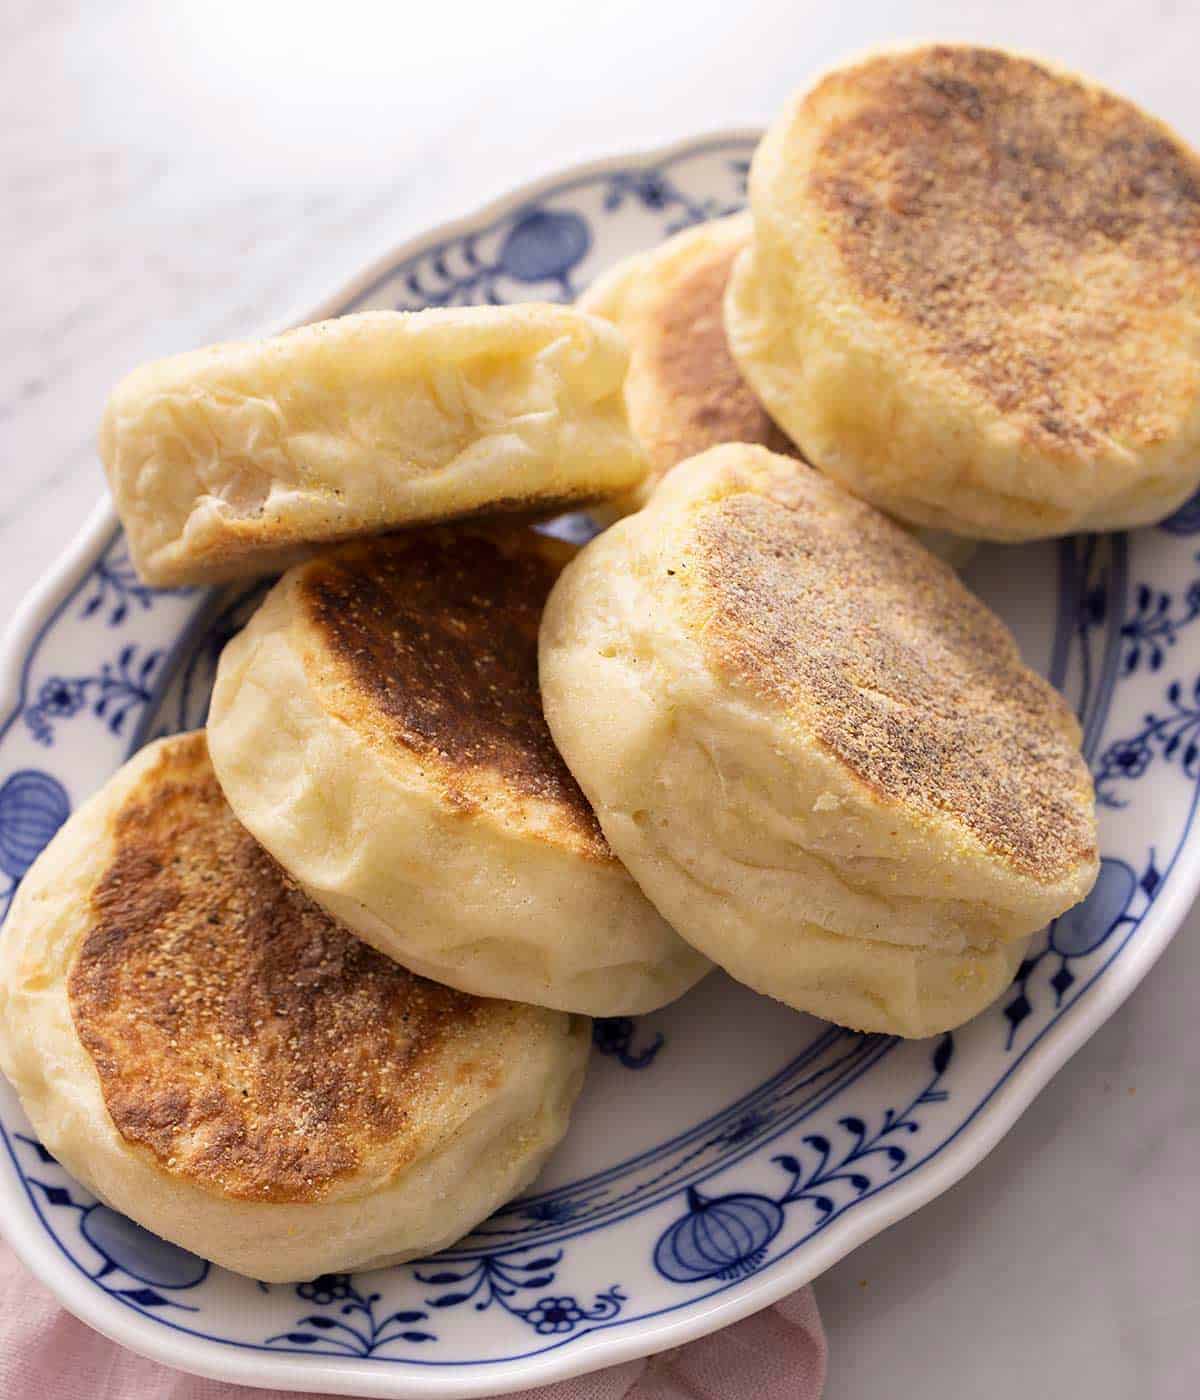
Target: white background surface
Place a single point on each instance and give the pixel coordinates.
(178, 171)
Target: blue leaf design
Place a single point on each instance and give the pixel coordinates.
(448, 1300)
(324, 1323)
(539, 1282)
(418, 1337)
(33, 805)
(853, 1125)
(43, 1155)
(407, 1316)
(56, 1195)
(547, 1261)
(303, 1339)
(444, 1277)
(788, 1163)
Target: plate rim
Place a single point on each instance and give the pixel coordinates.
(1000, 1111)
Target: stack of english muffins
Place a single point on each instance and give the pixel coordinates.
(309, 991)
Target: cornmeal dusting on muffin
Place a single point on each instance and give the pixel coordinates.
(818, 603)
(1042, 234)
(240, 1035)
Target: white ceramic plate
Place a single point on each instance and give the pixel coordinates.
(726, 1150)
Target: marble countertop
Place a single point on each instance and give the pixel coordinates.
(174, 174)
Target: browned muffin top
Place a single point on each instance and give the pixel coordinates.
(432, 636)
(1038, 235)
(243, 1038)
(704, 399)
(820, 605)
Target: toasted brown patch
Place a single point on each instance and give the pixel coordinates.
(254, 1047)
(822, 606)
(435, 634)
(1043, 235)
(705, 401)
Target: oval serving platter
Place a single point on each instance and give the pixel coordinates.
(726, 1150)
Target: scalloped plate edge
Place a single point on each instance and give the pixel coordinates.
(992, 1121)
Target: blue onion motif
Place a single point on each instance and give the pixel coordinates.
(1082, 929)
(728, 1236)
(540, 245)
(1079, 932)
(723, 1237)
(544, 245)
(142, 1255)
(33, 805)
(126, 1250)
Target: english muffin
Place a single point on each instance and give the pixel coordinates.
(818, 754)
(378, 727)
(239, 458)
(683, 391)
(206, 1050)
(972, 294)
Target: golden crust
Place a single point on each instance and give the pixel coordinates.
(245, 458)
(432, 638)
(976, 196)
(813, 749)
(251, 1045)
(684, 391)
(818, 604)
(972, 292)
(378, 727)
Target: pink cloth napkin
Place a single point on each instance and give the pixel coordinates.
(778, 1354)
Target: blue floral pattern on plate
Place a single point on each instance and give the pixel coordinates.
(715, 1147)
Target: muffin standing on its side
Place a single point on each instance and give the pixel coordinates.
(378, 727)
(202, 1047)
(973, 293)
(818, 754)
(240, 459)
(683, 390)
